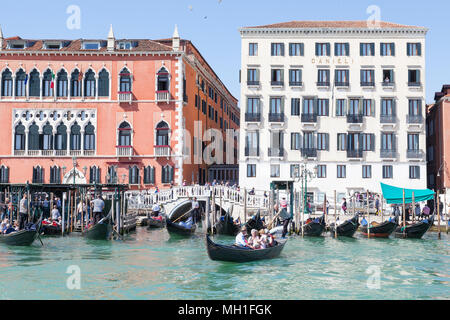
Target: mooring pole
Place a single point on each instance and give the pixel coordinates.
(335, 214)
(63, 214)
(368, 215)
(439, 214)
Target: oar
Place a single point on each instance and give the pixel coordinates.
(39, 237)
(269, 226)
(182, 216)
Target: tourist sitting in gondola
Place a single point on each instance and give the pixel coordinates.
(240, 238)
(156, 209)
(188, 223)
(4, 225)
(254, 241)
(55, 213)
(263, 238)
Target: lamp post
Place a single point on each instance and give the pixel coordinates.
(74, 162)
(303, 173)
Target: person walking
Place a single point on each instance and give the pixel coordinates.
(23, 211)
(98, 206)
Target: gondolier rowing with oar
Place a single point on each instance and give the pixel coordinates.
(284, 215)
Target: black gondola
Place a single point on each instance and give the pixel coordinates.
(346, 229)
(175, 228)
(100, 231)
(23, 237)
(416, 230)
(50, 230)
(382, 230)
(314, 228)
(156, 223)
(255, 222)
(236, 254)
(226, 226)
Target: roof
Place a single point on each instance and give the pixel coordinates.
(334, 24)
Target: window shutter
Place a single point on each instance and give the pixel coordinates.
(419, 49)
(272, 47)
(317, 49)
(361, 49)
(171, 174)
(282, 75)
(335, 49)
(372, 49)
(347, 49)
(372, 107)
(316, 103)
(302, 49)
(372, 142)
(328, 49)
(327, 107)
(393, 48)
(327, 141)
(282, 49)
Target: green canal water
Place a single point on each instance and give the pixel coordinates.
(152, 265)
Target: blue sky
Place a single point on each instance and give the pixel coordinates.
(212, 25)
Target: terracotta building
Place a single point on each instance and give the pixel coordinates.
(438, 141)
(109, 111)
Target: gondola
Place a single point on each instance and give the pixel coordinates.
(156, 223)
(255, 222)
(23, 237)
(174, 228)
(236, 254)
(314, 228)
(381, 230)
(226, 226)
(50, 230)
(416, 230)
(346, 229)
(100, 231)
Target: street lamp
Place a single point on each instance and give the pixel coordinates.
(303, 173)
(74, 162)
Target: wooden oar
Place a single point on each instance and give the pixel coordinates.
(269, 226)
(182, 216)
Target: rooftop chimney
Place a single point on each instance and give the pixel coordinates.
(176, 40)
(111, 39)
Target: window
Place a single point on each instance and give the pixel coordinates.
(368, 107)
(133, 175)
(295, 171)
(387, 172)
(321, 171)
(341, 172)
(75, 83)
(277, 142)
(367, 49)
(323, 107)
(342, 78)
(414, 77)
(21, 78)
(124, 135)
(4, 174)
(275, 171)
(295, 106)
(75, 137)
(253, 77)
(295, 77)
(124, 45)
(387, 49)
(103, 83)
(47, 83)
(388, 141)
(368, 142)
(35, 84)
(277, 49)
(323, 78)
(414, 49)
(7, 83)
(149, 175)
(19, 137)
(295, 141)
(275, 106)
(38, 175)
(367, 172)
(251, 170)
(253, 105)
(342, 49)
(167, 174)
(323, 49)
(341, 107)
(323, 141)
(91, 45)
(47, 137)
(125, 81)
(89, 84)
(94, 174)
(309, 140)
(296, 49)
(55, 175)
(388, 77)
(62, 84)
(387, 108)
(253, 49)
(89, 137)
(61, 137)
(414, 172)
(341, 142)
(33, 137)
(415, 107)
(367, 78)
(277, 76)
(354, 107)
(309, 106)
(112, 174)
(413, 142)
(252, 144)
(163, 80)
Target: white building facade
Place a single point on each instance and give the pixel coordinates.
(344, 98)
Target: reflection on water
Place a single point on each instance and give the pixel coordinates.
(151, 264)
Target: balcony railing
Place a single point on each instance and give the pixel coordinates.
(252, 117)
(162, 151)
(162, 96)
(124, 151)
(342, 84)
(19, 152)
(89, 152)
(276, 152)
(414, 119)
(251, 152)
(295, 83)
(125, 96)
(323, 83)
(276, 117)
(414, 84)
(367, 84)
(388, 118)
(355, 153)
(60, 153)
(388, 153)
(309, 117)
(54, 153)
(33, 153)
(309, 152)
(47, 153)
(75, 153)
(388, 84)
(414, 154)
(277, 83)
(253, 83)
(355, 118)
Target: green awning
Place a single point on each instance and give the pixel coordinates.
(394, 195)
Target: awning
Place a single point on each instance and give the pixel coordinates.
(394, 195)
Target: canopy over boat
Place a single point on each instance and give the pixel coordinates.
(394, 195)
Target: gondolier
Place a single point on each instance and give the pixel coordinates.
(98, 206)
(196, 209)
(156, 209)
(284, 216)
(23, 211)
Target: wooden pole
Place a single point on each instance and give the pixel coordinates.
(439, 214)
(404, 214)
(302, 208)
(382, 209)
(335, 214)
(245, 205)
(446, 212)
(413, 206)
(368, 215)
(63, 224)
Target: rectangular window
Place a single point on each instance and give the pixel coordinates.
(342, 78)
(367, 172)
(341, 172)
(414, 77)
(295, 141)
(321, 171)
(367, 49)
(295, 77)
(342, 49)
(387, 107)
(388, 141)
(415, 107)
(252, 144)
(354, 107)
(367, 78)
(323, 78)
(252, 76)
(413, 142)
(368, 107)
(253, 105)
(323, 49)
(368, 142)
(341, 107)
(323, 141)
(341, 142)
(277, 49)
(323, 107)
(275, 171)
(388, 77)
(308, 106)
(414, 49)
(253, 49)
(388, 172)
(414, 172)
(275, 106)
(277, 76)
(295, 171)
(296, 49)
(308, 140)
(387, 49)
(295, 106)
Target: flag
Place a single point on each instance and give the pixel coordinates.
(52, 85)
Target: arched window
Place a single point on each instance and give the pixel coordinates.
(125, 81)
(48, 84)
(75, 137)
(89, 137)
(163, 80)
(4, 174)
(55, 175)
(89, 84)
(61, 138)
(112, 174)
(124, 134)
(19, 137)
(94, 174)
(62, 84)
(7, 83)
(167, 174)
(162, 134)
(149, 175)
(21, 77)
(103, 83)
(38, 175)
(133, 175)
(35, 84)
(47, 137)
(75, 83)
(33, 137)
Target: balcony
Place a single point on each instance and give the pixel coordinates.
(388, 84)
(309, 152)
(60, 153)
(414, 154)
(355, 118)
(275, 152)
(47, 153)
(124, 151)
(19, 153)
(253, 83)
(162, 96)
(125, 97)
(323, 83)
(414, 84)
(54, 153)
(367, 84)
(414, 119)
(276, 117)
(342, 84)
(75, 153)
(388, 153)
(162, 151)
(252, 117)
(355, 153)
(252, 152)
(388, 118)
(295, 83)
(88, 153)
(277, 83)
(309, 117)
(33, 153)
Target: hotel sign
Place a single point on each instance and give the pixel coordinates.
(339, 60)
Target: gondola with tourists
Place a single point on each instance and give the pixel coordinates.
(314, 228)
(379, 230)
(23, 237)
(346, 229)
(53, 229)
(415, 230)
(255, 223)
(234, 253)
(227, 226)
(100, 231)
(185, 227)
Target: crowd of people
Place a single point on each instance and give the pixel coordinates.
(257, 240)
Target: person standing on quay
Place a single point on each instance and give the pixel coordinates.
(98, 205)
(23, 211)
